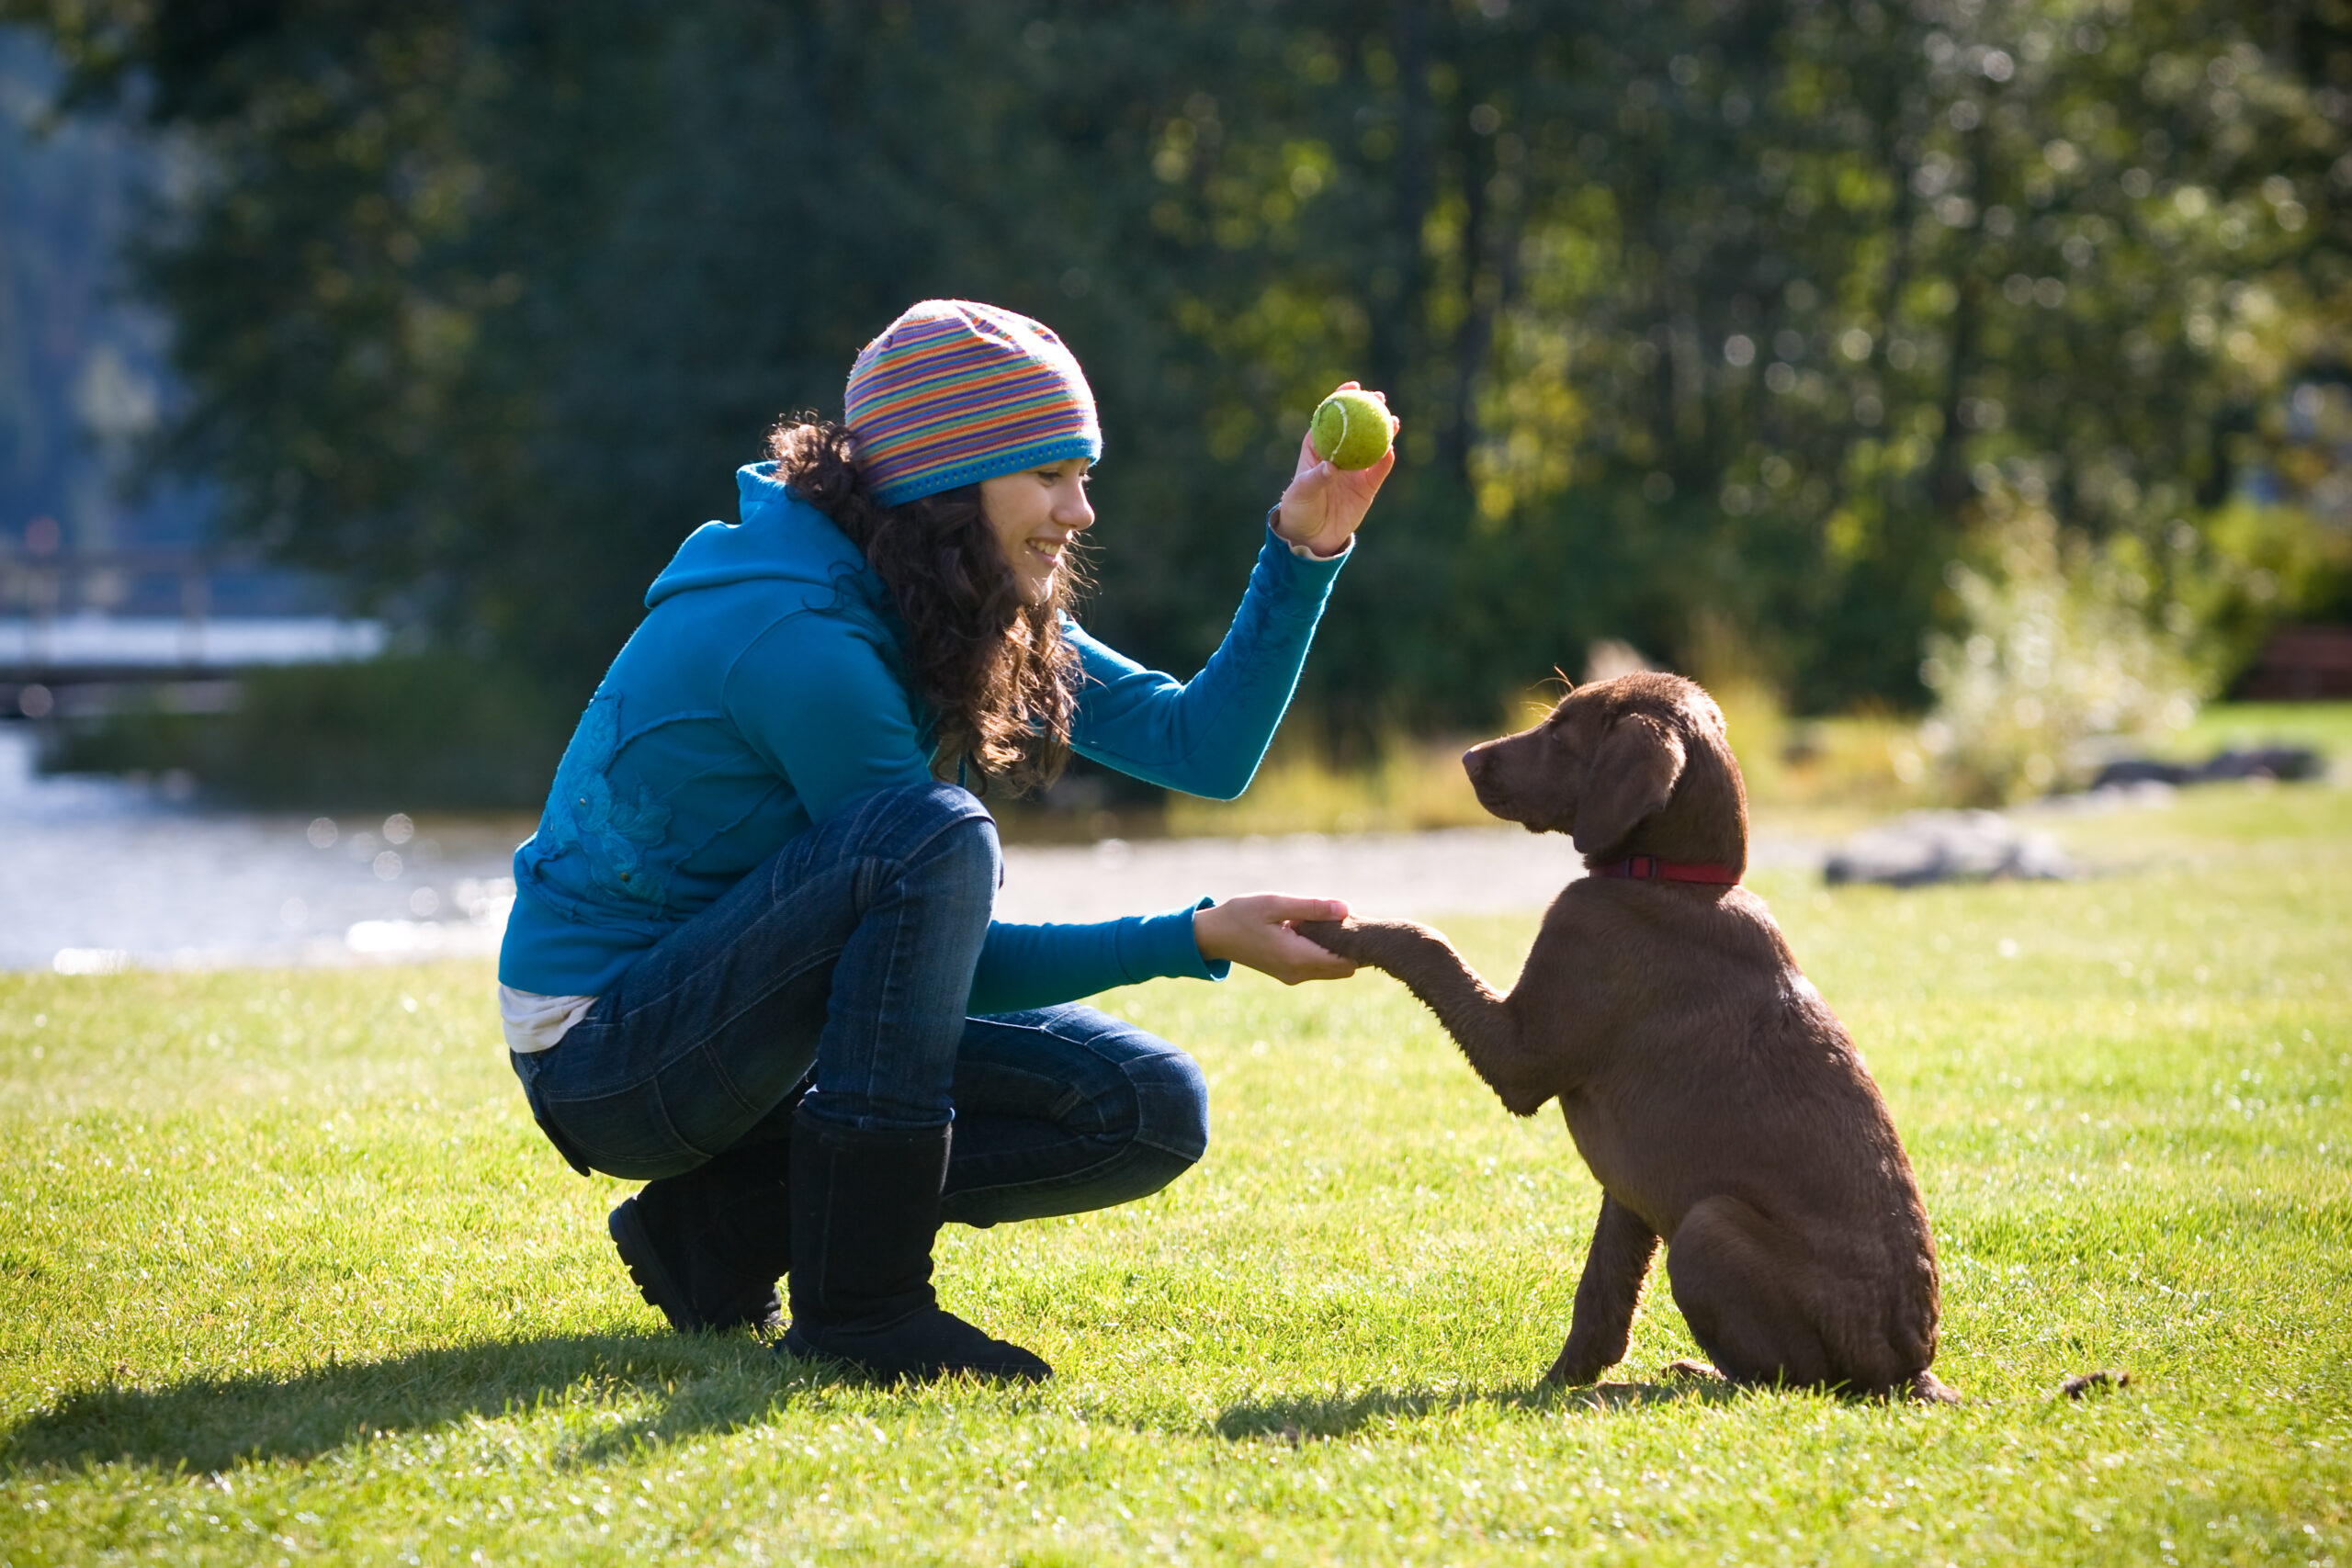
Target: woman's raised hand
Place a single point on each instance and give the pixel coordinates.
(1254, 931)
(1324, 505)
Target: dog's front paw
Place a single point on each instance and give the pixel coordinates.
(1383, 944)
(1577, 1369)
(1337, 936)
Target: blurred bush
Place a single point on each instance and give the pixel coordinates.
(1405, 784)
(2255, 567)
(412, 732)
(2056, 650)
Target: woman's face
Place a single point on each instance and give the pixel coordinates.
(1035, 514)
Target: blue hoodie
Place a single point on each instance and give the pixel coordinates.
(765, 691)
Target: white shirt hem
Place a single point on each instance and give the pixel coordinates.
(533, 1023)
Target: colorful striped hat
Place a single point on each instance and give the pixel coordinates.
(954, 392)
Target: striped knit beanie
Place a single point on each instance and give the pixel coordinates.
(954, 392)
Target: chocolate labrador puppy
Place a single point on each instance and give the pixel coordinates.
(1716, 1096)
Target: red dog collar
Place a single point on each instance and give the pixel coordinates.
(1649, 868)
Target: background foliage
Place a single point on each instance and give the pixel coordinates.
(424, 731)
(1711, 321)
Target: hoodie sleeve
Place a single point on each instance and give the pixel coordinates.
(1040, 966)
(1206, 735)
(814, 698)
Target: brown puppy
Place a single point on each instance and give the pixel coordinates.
(1718, 1101)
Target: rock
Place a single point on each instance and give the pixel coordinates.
(2287, 764)
(2126, 770)
(1947, 846)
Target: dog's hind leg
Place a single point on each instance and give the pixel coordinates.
(1929, 1389)
(1733, 1277)
(1622, 1246)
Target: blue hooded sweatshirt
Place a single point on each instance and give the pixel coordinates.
(765, 691)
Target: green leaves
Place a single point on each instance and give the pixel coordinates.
(1707, 315)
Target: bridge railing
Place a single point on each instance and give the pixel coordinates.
(56, 628)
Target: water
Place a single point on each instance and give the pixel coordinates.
(101, 874)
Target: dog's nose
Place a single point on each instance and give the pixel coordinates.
(1473, 760)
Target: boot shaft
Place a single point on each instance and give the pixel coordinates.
(865, 1211)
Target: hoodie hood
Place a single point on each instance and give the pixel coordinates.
(780, 536)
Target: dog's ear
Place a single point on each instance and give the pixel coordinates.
(1634, 772)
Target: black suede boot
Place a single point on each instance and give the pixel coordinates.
(708, 1246)
(865, 1210)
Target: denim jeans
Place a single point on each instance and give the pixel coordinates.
(849, 955)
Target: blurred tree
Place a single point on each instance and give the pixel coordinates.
(1710, 323)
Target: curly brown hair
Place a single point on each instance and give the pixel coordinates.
(992, 666)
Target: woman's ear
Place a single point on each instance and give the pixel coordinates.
(1633, 773)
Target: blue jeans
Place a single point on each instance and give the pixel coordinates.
(850, 954)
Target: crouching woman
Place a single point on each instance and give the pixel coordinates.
(752, 961)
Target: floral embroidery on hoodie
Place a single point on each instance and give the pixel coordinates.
(584, 811)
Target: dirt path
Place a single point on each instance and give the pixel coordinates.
(1457, 870)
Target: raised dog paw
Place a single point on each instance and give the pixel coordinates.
(1384, 943)
(1339, 936)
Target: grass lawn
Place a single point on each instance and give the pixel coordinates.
(286, 1275)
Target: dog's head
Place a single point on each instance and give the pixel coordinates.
(1635, 765)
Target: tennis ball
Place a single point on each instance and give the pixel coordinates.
(1350, 430)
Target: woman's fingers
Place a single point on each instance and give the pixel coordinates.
(1308, 461)
(1366, 482)
(1288, 907)
(1228, 930)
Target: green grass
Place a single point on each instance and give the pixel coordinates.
(286, 1274)
(2326, 728)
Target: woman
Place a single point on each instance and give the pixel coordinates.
(751, 960)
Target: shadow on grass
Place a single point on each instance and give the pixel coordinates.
(1313, 1417)
(627, 1389)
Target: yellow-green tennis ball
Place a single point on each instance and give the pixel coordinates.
(1350, 430)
